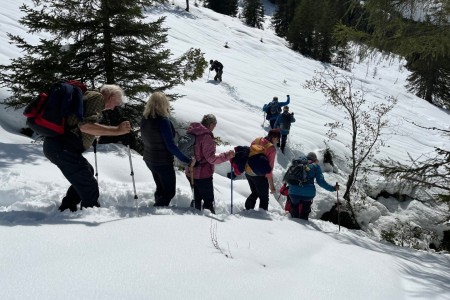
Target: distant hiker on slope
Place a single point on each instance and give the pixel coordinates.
(273, 109)
(302, 193)
(218, 67)
(65, 151)
(205, 153)
(258, 170)
(157, 133)
(284, 122)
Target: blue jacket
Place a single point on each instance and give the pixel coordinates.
(279, 121)
(307, 190)
(280, 105)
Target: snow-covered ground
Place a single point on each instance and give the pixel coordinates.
(118, 251)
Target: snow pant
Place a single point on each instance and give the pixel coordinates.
(204, 190)
(259, 187)
(272, 123)
(300, 208)
(78, 171)
(165, 180)
(283, 142)
(218, 75)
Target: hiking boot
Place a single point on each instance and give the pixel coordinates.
(66, 205)
(210, 207)
(96, 204)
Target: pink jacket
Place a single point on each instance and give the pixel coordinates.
(205, 151)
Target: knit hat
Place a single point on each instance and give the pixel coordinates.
(311, 156)
(274, 133)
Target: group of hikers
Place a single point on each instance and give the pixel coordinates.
(158, 134)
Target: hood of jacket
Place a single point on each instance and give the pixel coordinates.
(197, 129)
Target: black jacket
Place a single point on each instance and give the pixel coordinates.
(216, 66)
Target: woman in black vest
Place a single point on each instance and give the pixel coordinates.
(157, 134)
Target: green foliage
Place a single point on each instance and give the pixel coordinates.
(406, 234)
(283, 16)
(226, 7)
(97, 41)
(253, 13)
(393, 27)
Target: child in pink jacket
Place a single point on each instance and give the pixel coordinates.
(206, 157)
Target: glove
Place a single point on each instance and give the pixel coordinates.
(287, 96)
(292, 114)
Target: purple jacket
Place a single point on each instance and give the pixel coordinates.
(205, 151)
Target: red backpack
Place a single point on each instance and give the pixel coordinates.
(47, 114)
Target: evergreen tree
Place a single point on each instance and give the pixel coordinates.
(253, 13)
(98, 41)
(394, 27)
(283, 16)
(226, 7)
(301, 32)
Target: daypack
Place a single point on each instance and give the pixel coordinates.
(257, 162)
(239, 161)
(297, 172)
(272, 109)
(285, 122)
(47, 114)
(186, 144)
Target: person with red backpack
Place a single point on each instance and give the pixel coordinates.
(65, 150)
(258, 170)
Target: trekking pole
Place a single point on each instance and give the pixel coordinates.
(338, 206)
(231, 178)
(208, 73)
(132, 177)
(264, 119)
(191, 170)
(95, 156)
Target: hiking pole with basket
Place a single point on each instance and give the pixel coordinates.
(338, 206)
(191, 170)
(231, 178)
(95, 156)
(132, 177)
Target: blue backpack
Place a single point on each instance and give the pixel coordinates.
(272, 109)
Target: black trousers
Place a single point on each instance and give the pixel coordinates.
(218, 75)
(259, 187)
(283, 142)
(204, 190)
(165, 180)
(78, 171)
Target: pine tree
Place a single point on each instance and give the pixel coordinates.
(283, 16)
(98, 41)
(253, 13)
(226, 7)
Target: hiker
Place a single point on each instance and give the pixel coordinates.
(301, 195)
(218, 67)
(205, 153)
(283, 122)
(158, 134)
(273, 109)
(65, 151)
(260, 184)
